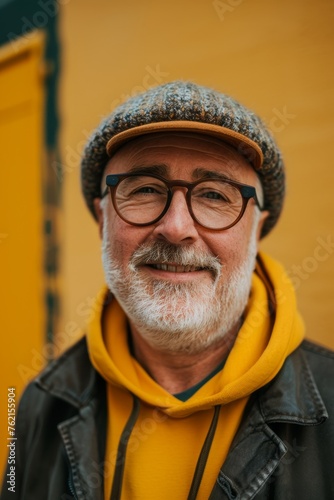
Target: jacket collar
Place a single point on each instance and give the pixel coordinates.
(292, 396)
(71, 378)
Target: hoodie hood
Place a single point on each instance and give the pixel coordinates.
(271, 330)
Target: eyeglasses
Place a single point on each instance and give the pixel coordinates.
(213, 203)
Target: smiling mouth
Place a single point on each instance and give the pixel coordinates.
(173, 268)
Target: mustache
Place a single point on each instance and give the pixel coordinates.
(160, 252)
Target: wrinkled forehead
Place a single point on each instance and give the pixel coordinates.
(171, 149)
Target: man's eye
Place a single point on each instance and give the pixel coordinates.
(215, 195)
(147, 190)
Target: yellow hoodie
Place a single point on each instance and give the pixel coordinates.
(166, 435)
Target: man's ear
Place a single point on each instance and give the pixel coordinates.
(99, 214)
(263, 216)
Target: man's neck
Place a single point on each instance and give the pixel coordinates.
(177, 372)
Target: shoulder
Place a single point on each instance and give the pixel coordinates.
(57, 393)
(320, 360)
(317, 350)
(73, 364)
(319, 357)
(68, 380)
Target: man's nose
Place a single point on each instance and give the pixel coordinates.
(177, 225)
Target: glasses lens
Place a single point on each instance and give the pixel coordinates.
(141, 199)
(216, 204)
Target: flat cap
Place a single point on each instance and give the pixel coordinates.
(186, 106)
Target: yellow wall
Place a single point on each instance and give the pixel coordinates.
(21, 220)
(275, 56)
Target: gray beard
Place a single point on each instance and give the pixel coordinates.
(182, 317)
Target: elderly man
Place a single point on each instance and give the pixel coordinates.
(193, 381)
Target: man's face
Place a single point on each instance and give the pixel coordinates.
(183, 287)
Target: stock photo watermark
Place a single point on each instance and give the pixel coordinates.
(224, 8)
(11, 439)
(294, 451)
(295, 275)
(281, 119)
(310, 264)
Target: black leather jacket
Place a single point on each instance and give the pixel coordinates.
(283, 450)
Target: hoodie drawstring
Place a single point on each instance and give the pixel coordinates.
(203, 457)
(116, 489)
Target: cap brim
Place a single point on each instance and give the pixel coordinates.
(245, 146)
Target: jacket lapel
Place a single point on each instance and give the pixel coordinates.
(257, 451)
(73, 379)
(79, 435)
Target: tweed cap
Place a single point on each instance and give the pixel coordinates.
(186, 106)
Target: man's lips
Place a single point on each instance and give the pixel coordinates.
(175, 268)
(166, 261)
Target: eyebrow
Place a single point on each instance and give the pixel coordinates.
(199, 172)
(159, 169)
(203, 173)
